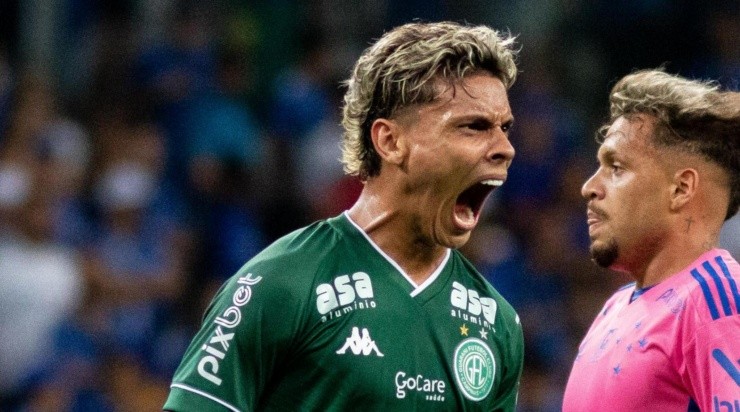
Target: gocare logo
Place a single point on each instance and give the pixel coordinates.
(345, 294)
(218, 346)
(469, 306)
(432, 389)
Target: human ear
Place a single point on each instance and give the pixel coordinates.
(388, 141)
(685, 185)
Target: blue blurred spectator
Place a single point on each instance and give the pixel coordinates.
(300, 98)
(720, 59)
(225, 150)
(6, 93)
(221, 126)
(172, 72)
(139, 256)
(42, 285)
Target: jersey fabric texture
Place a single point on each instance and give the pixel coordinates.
(323, 320)
(674, 348)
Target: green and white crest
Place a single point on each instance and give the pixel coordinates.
(475, 368)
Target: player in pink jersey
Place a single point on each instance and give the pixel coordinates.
(668, 178)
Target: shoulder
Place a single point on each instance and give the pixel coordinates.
(310, 244)
(712, 287)
(298, 254)
(288, 269)
(467, 279)
(624, 290)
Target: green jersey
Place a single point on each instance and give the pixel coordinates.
(324, 320)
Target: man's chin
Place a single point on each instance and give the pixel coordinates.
(604, 254)
(454, 241)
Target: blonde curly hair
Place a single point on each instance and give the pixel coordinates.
(694, 116)
(401, 70)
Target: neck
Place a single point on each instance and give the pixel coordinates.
(674, 252)
(394, 231)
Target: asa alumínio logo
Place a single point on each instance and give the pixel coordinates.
(475, 368)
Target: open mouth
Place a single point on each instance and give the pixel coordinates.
(470, 202)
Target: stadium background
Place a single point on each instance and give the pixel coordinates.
(149, 148)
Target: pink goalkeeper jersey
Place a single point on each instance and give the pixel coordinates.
(674, 348)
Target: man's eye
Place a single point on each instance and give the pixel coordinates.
(477, 126)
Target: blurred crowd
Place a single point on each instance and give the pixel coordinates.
(149, 149)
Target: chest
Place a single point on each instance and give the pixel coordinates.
(431, 350)
(633, 353)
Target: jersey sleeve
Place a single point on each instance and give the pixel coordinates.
(712, 364)
(513, 371)
(512, 360)
(247, 331)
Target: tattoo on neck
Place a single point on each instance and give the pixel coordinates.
(689, 221)
(710, 244)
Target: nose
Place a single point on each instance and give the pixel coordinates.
(589, 190)
(503, 150)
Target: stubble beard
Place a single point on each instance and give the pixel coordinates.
(606, 254)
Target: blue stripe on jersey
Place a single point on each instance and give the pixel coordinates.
(629, 285)
(727, 365)
(720, 288)
(707, 294)
(693, 406)
(730, 280)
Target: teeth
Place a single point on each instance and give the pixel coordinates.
(492, 182)
(470, 214)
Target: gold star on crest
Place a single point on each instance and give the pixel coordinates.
(464, 330)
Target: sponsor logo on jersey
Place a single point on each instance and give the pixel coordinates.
(672, 299)
(469, 306)
(344, 295)
(431, 389)
(475, 368)
(726, 406)
(219, 343)
(360, 344)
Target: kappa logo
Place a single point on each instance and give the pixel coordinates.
(360, 344)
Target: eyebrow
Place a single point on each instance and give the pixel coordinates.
(606, 153)
(484, 117)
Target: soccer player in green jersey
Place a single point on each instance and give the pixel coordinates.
(375, 309)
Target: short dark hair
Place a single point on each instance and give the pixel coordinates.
(693, 115)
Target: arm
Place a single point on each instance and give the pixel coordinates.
(246, 331)
(712, 364)
(507, 397)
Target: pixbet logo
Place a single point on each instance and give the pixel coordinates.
(433, 389)
(344, 295)
(218, 345)
(469, 306)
